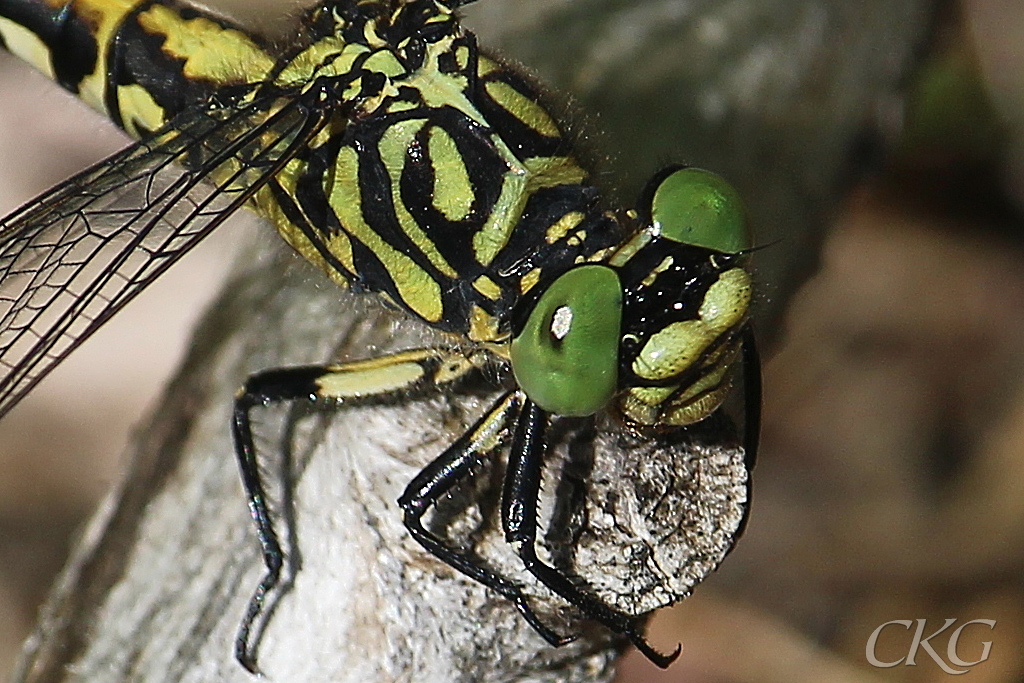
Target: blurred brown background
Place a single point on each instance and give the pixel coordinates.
(891, 480)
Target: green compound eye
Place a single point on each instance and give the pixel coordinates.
(697, 207)
(566, 358)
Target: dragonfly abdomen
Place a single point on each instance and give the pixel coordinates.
(138, 63)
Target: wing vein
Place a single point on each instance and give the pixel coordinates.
(73, 257)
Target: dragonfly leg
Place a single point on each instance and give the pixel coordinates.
(519, 516)
(358, 380)
(751, 414)
(440, 476)
(752, 397)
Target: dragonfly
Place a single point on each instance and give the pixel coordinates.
(402, 159)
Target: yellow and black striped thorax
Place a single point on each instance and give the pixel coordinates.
(440, 181)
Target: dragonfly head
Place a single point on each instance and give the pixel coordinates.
(654, 330)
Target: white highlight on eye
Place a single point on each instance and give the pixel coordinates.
(561, 322)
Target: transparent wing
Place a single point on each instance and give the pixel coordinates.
(74, 256)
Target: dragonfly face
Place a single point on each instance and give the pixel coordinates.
(654, 330)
